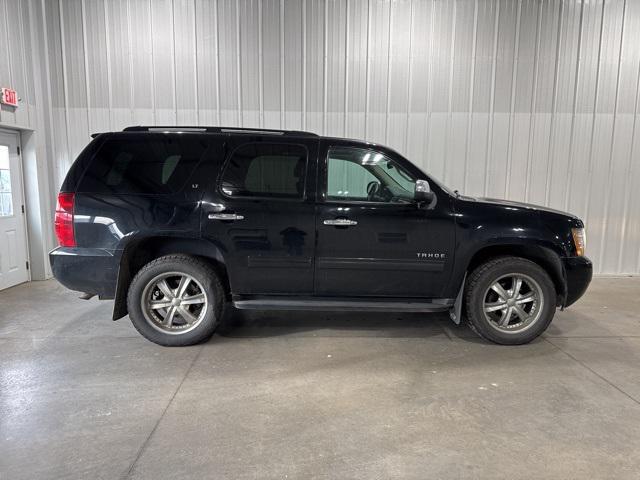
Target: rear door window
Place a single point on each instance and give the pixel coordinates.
(144, 164)
(266, 170)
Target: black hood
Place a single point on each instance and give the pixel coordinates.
(510, 203)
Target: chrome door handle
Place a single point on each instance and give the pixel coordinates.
(340, 222)
(225, 216)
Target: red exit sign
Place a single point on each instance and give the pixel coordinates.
(9, 97)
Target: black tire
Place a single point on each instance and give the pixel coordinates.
(205, 277)
(477, 288)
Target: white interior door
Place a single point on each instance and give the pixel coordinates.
(13, 234)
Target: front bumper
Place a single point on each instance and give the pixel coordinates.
(577, 272)
(88, 270)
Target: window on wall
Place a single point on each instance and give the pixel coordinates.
(355, 174)
(6, 202)
(266, 170)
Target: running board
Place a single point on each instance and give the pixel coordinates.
(341, 304)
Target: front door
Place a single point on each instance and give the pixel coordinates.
(13, 237)
(373, 238)
(262, 212)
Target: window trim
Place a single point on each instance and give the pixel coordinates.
(324, 180)
(225, 165)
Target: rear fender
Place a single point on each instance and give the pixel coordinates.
(141, 251)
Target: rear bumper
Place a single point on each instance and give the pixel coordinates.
(88, 270)
(578, 272)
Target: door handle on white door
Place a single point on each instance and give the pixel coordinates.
(225, 216)
(340, 222)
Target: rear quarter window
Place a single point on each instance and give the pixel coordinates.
(149, 164)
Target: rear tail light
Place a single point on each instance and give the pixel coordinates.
(64, 220)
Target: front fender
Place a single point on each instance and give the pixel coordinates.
(486, 230)
(539, 252)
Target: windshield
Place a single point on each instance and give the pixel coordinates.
(433, 179)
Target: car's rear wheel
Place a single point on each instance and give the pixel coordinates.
(510, 300)
(176, 300)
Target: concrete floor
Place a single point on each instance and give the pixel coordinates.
(300, 395)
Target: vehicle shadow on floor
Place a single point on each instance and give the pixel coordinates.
(259, 324)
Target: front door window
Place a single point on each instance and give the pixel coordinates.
(361, 175)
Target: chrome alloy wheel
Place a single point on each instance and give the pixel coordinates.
(513, 303)
(174, 302)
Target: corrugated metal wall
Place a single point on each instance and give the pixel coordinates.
(16, 69)
(525, 99)
(22, 67)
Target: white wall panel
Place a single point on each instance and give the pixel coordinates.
(533, 100)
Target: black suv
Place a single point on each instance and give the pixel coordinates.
(176, 222)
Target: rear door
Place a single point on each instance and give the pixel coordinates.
(261, 214)
(13, 236)
(373, 239)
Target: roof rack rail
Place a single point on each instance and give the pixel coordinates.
(234, 130)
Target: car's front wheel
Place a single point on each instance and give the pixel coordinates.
(510, 300)
(176, 300)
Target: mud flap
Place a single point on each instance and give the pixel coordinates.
(455, 312)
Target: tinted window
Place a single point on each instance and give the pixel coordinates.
(266, 170)
(144, 164)
(366, 175)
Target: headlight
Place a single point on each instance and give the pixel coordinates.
(579, 240)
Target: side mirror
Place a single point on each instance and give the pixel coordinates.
(423, 193)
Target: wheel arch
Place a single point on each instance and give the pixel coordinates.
(545, 257)
(141, 251)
